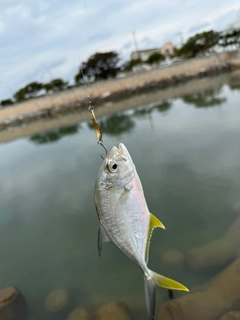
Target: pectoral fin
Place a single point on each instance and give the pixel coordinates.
(153, 223)
(102, 239)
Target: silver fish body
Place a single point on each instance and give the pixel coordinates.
(125, 219)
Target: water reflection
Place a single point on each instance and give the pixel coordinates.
(234, 86)
(217, 299)
(234, 81)
(54, 135)
(125, 122)
(163, 107)
(191, 181)
(204, 99)
(116, 124)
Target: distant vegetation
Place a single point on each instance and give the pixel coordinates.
(99, 66)
(6, 102)
(105, 65)
(199, 44)
(55, 85)
(155, 58)
(128, 66)
(31, 90)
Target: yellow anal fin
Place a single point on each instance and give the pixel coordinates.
(153, 223)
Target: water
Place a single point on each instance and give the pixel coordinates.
(187, 153)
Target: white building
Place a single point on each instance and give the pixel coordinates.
(167, 50)
(144, 54)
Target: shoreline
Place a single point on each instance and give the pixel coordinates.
(75, 101)
(108, 108)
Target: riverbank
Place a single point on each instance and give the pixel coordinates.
(53, 106)
(212, 84)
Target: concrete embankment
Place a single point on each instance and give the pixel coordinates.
(52, 106)
(207, 84)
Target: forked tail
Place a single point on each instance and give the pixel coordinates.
(153, 279)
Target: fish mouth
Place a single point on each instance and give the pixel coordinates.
(119, 153)
(124, 152)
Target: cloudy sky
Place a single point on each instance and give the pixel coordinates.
(45, 39)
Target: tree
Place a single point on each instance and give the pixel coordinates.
(55, 85)
(230, 38)
(99, 66)
(31, 90)
(199, 43)
(155, 58)
(6, 102)
(79, 78)
(128, 66)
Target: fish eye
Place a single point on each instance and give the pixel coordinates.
(112, 166)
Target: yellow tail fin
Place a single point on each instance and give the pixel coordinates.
(165, 282)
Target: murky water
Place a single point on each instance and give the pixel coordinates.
(187, 153)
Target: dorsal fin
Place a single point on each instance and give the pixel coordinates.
(154, 222)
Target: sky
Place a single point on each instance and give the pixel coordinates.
(42, 40)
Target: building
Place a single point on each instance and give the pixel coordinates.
(168, 49)
(144, 54)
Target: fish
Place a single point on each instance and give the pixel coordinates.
(125, 219)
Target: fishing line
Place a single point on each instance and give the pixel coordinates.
(95, 123)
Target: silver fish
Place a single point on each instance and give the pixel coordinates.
(125, 219)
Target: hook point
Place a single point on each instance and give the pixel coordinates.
(101, 144)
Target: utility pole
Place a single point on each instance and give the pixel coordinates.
(181, 38)
(135, 44)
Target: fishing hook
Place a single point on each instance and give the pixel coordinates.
(101, 144)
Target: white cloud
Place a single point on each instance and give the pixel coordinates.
(39, 35)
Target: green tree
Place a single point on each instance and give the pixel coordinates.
(31, 90)
(230, 38)
(199, 43)
(155, 58)
(55, 85)
(6, 102)
(99, 66)
(79, 78)
(130, 64)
